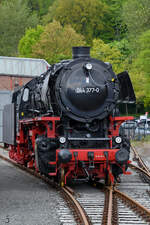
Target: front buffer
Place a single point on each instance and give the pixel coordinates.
(91, 164)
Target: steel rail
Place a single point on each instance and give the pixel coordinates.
(109, 220)
(111, 194)
(132, 166)
(112, 207)
(80, 213)
(108, 206)
(140, 161)
(115, 211)
(140, 209)
(84, 220)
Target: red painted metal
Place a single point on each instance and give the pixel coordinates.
(98, 154)
(99, 162)
(47, 126)
(115, 123)
(36, 126)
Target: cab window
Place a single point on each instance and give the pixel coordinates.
(26, 95)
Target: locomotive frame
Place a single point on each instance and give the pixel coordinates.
(102, 158)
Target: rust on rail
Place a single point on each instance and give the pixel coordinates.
(140, 209)
(132, 166)
(110, 209)
(140, 161)
(84, 220)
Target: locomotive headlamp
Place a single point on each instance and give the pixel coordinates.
(88, 66)
(118, 140)
(62, 140)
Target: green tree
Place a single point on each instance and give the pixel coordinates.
(140, 70)
(85, 17)
(41, 6)
(28, 40)
(136, 15)
(15, 17)
(142, 62)
(114, 20)
(107, 53)
(56, 42)
(141, 86)
(123, 46)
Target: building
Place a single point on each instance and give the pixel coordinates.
(18, 71)
(13, 72)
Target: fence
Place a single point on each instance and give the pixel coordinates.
(135, 130)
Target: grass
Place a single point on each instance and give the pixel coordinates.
(142, 140)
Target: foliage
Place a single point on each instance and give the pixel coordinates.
(41, 6)
(139, 83)
(123, 46)
(141, 87)
(136, 15)
(143, 59)
(114, 19)
(141, 69)
(123, 25)
(15, 17)
(28, 40)
(55, 42)
(106, 53)
(85, 18)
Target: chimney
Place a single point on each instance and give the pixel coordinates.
(80, 52)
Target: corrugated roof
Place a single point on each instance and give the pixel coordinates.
(25, 67)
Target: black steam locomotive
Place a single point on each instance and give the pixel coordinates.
(67, 121)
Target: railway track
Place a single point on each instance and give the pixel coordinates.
(80, 216)
(140, 161)
(133, 200)
(127, 203)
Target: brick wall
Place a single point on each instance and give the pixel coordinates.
(8, 83)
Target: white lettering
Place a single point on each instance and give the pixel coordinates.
(87, 90)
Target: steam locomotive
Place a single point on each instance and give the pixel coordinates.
(65, 123)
